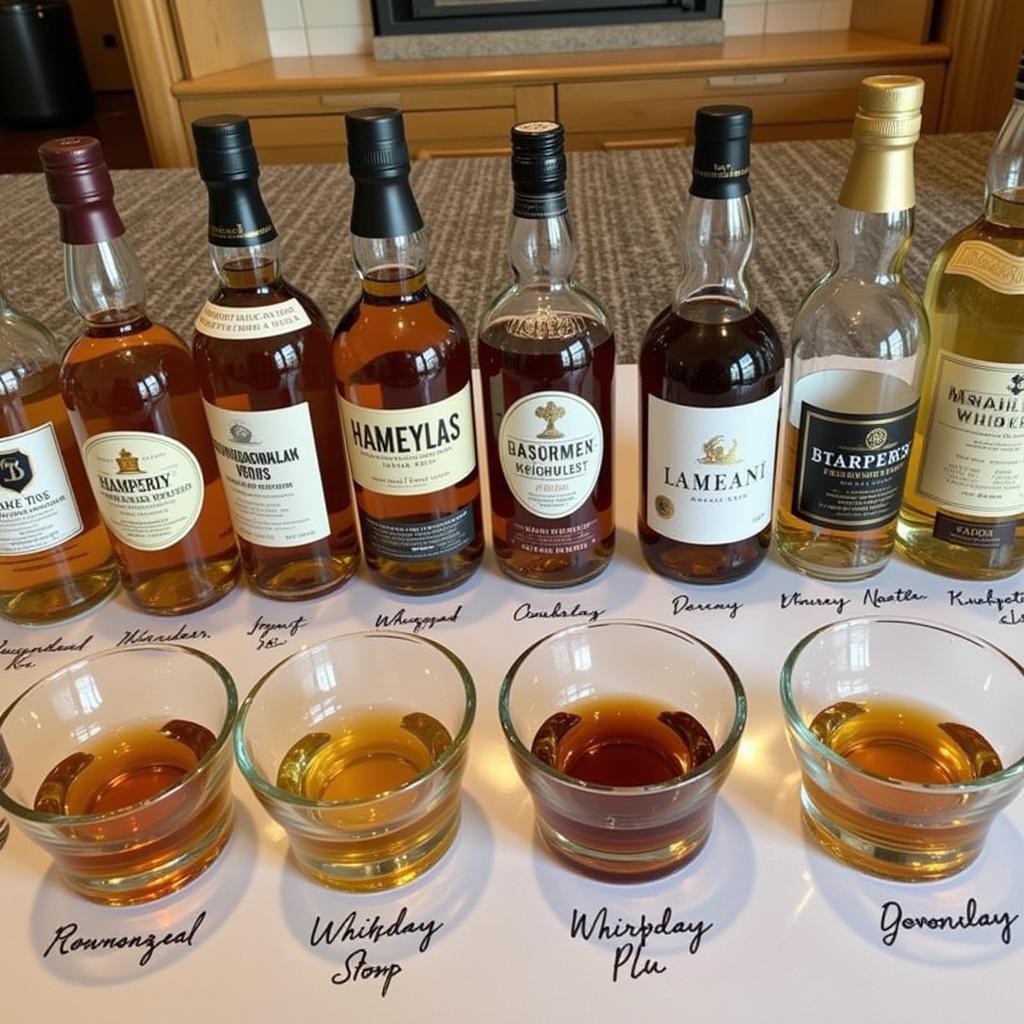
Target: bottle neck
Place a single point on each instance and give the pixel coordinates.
(105, 282)
(1004, 178)
(542, 251)
(392, 269)
(248, 267)
(718, 238)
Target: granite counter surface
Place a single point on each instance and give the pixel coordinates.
(625, 208)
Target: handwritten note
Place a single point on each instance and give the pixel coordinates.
(420, 623)
(269, 634)
(526, 611)
(15, 656)
(67, 941)
(895, 921)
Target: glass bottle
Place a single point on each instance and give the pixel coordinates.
(263, 355)
(710, 377)
(55, 557)
(963, 510)
(855, 373)
(130, 388)
(402, 365)
(547, 363)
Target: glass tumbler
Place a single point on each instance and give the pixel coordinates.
(335, 711)
(103, 726)
(886, 826)
(623, 833)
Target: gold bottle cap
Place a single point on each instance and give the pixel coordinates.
(888, 123)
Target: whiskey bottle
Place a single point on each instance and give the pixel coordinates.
(963, 511)
(263, 355)
(547, 360)
(130, 389)
(711, 368)
(855, 372)
(402, 364)
(55, 557)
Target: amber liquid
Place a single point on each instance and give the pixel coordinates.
(257, 374)
(707, 365)
(361, 767)
(139, 376)
(907, 743)
(400, 347)
(52, 585)
(153, 841)
(512, 367)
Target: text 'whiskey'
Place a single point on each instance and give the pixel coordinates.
(547, 362)
(263, 354)
(710, 377)
(402, 366)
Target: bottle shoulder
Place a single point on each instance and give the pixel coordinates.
(28, 353)
(143, 351)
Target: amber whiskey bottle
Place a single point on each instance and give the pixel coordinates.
(402, 364)
(55, 556)
(547, 362)
(130, 389)
(263, 354)
(710, 377)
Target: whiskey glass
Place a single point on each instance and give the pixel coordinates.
(157, 844)
(623, 833)
(324, 691)
(906, 831)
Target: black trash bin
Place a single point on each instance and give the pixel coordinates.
(43, 80)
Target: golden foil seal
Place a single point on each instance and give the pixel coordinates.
(887, 124)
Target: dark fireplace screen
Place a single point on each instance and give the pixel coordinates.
(394, 17)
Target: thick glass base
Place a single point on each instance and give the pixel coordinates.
(915, 539)
(705, 564)
(553, 572)
(62, 599)
(923, 860)
(833, 558)
(185, 589)
(422, 578)
(303, 578)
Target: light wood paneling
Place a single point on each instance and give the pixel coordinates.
(216, 35)
(107, 65)
(909, 20)
(535, 103)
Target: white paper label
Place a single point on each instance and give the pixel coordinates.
(710, 472)
(251, 321)
(37, 505)
(149, 488)
(271, 476)
(411, 451)
(551, 444)
(973, 458)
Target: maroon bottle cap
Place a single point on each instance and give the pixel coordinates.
(81, 189)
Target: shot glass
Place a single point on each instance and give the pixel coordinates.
(135, 741)
(886, 826)
(327, 714)
(623, 833)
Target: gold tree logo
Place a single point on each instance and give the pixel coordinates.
(549, 413)
(717, 453)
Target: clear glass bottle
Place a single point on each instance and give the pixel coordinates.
(857, 346)
(263, 355)
(55, 556)
(963, 510)
(402, 365)
(710, 381)
(130, 388)
(547, 364)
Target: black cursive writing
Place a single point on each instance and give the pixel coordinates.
(893, 919)
(683, 603)
(21, 657)
(796, 599)
(901, 595)
(267, 633)
(66, 941)
(144, 636)
(419, 623)
(557, 611)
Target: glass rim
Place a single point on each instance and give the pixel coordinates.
(264, 786)
(795, 722)
(43, 818)
(704, 769)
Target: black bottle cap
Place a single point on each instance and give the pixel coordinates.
(224, 149)
(1018, 92)
(721, 153)
(378, 160)
(227, 162)
(538, 169)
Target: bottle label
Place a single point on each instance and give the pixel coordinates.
(711, 472)
(973, 458)
(966, 534)
(37, 505)
(414, 451)
(419, 542)
(851, 465)
(989, 265)
(271, 474)
(252, 321)
(149, 488)
(551, 444)
(575, 538)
